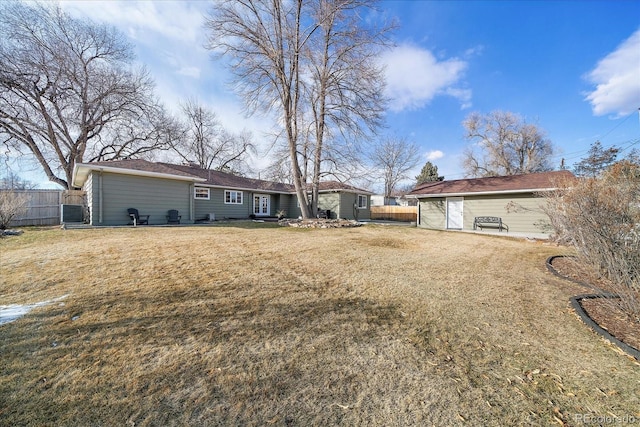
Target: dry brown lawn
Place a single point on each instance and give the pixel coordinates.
(241, 325)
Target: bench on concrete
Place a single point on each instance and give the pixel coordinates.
(489, 221)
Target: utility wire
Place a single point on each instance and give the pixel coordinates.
(578, 154)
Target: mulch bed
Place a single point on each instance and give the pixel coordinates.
(604, 311)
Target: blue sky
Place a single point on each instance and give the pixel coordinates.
(572, 67)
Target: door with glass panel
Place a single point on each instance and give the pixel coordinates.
(261, 205)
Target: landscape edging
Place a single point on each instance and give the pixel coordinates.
(577, 306)
(580, 311)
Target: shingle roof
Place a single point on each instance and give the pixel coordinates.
(140, 167)
(143, 166)
(340, 186)
(205, 176)
(223, 179)
(496, 184)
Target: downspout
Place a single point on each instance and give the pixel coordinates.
(100, 197)
(192, 208)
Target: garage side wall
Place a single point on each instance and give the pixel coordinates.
(432, 213)
(521, 213)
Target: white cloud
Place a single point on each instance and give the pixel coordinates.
(190, 72)
(167, 33)
(434, 155)
(463, 95)
(617, 80)
(145, 20)
(474, 51)
(415, 77)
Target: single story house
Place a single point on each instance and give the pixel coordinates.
(515, 200)
(154, 188)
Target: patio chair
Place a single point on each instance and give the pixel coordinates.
(136, 218)
(173, 217)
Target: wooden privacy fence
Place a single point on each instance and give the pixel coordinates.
(395, 213)
(43, 206)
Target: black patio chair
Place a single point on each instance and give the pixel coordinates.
(136, 218)
(173, 217)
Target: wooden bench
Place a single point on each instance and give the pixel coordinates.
(489, 221)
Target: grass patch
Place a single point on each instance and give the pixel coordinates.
(263, 325)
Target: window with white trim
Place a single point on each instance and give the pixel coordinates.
(362, 201)
(201, 193)
(232, 197)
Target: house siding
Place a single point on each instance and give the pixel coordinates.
(347, 211)
(281, 202)
(151, 196)
(432, 213)
(222, 210)
(528, 216)
(293, 210)
(330, 201)
(340, 204)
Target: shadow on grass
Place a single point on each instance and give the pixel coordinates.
(170, 359)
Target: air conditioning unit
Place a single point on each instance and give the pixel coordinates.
(71, 213)
(211, 217)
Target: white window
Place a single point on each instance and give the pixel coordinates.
(362, 201)
(232, 197)
(201, 193)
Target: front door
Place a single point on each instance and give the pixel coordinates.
(454, 213)
(261, 204)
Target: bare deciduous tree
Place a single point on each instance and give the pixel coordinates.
(13, 181)
(345, 86)
(205, 141)
(68, 93)
(13, 203)
(394, 157)
(504, 145)
(309, 61)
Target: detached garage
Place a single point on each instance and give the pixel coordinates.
(510, 204)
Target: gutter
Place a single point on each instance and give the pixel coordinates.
(80, 167)
(232, 187)
(478, 193)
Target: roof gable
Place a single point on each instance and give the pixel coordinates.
(498, 184)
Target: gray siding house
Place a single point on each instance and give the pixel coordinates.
(454, 205)
(198, 194)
